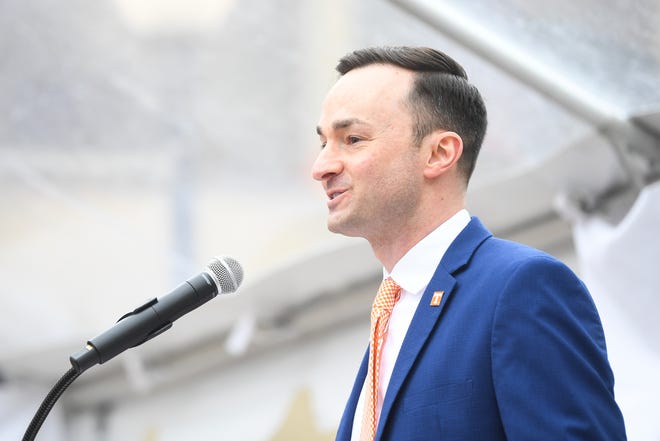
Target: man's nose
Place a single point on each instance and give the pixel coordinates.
(327, 164)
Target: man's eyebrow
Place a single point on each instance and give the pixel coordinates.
(342, 124)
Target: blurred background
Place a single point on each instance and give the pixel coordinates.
(140, 138)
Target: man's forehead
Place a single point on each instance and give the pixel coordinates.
(363, 92)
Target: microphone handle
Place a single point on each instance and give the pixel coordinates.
(145, 322)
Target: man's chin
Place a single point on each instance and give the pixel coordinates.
(334, 228)
(343, 228)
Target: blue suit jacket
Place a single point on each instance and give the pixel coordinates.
(515, 351)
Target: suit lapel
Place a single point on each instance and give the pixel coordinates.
(426, 316)
(420, 328)
(345, 430)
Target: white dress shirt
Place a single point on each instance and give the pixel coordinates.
(413, 274)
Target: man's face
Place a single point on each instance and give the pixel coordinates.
(368, 166)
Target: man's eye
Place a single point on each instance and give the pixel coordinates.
(353, 139)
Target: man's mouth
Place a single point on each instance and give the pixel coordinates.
(333, 195)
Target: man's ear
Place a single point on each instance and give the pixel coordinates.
(443, 152)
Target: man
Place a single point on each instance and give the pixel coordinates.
(487, 339)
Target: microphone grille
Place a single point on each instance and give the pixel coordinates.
(227, 272)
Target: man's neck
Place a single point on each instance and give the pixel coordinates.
(389, 250)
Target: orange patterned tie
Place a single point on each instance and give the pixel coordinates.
(388, 294)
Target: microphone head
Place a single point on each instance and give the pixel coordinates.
(226, 272)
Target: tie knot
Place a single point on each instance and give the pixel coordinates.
(388, 294)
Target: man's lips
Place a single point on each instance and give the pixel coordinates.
(334, 196)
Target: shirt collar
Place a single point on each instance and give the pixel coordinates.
(415, 269)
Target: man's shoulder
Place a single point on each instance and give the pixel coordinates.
(511, 248)
(507, 259)
(508, 250)
(483, 242)
(478, 248)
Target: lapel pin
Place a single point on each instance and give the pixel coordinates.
(437, 298)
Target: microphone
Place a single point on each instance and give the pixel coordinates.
(222, 275)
